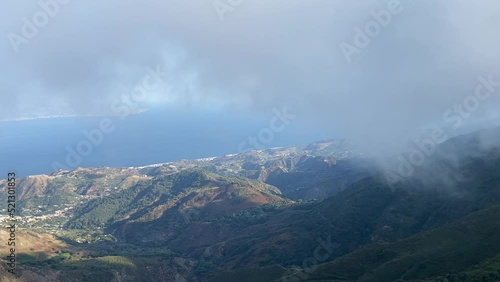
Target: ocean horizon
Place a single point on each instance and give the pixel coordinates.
(34, 146)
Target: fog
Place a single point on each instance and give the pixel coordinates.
(411, 74)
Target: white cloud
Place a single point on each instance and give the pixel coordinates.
(263, 55)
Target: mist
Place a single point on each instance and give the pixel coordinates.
(259, 55)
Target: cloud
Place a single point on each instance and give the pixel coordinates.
(264, 54)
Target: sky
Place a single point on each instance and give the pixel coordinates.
(373, 71)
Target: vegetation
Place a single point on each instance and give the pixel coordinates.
(199, 225)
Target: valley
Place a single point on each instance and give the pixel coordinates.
(321, 212)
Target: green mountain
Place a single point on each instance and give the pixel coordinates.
(441, 254)
(253, 217)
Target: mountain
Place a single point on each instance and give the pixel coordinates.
(301, 172)
(322, 212)
(175, 198)
(432, 255)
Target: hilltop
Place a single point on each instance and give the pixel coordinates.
(266, 212)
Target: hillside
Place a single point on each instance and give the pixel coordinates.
(218, 219)
(444, 251)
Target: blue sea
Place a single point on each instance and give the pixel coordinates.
(33, 146)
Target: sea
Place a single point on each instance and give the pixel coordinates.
(41, 146)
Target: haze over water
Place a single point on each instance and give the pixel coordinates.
(31, 146)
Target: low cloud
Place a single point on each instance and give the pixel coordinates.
(261, 56)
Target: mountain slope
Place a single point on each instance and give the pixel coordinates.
(444, 250)
(222, 219)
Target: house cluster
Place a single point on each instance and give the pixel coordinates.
(30, 221)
